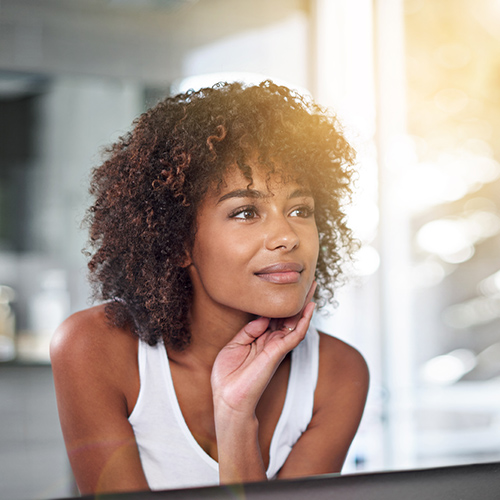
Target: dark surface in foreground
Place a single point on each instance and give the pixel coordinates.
(465, 482)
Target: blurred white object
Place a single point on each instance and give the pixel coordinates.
(448, 368)
(50, 306)
(7, 324)
(47, 310)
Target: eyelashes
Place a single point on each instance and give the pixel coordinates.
(250, 212)
(246, 213)
(304, 211)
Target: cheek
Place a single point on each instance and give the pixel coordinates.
(311, 241)
(219, 261)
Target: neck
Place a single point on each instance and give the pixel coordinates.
(212, 327)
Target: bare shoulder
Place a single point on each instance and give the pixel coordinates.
(87, 347)
(341, 358)
(343, 372)
(89, 334)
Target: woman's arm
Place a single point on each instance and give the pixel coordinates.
(96, 380)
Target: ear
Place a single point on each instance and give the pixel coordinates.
(186, 260)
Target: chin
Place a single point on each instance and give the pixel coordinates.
(281, 310)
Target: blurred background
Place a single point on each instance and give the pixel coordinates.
(416, 84)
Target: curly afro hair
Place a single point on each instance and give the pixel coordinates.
(147, 192)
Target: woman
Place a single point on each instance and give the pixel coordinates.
(213, 220)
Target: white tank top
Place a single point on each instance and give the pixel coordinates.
(170, 456)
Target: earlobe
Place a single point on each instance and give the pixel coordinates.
(186, 260)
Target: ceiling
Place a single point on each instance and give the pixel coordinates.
(145, 40)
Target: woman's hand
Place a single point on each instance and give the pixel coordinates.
(245, 365)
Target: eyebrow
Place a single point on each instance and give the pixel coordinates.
(253, 193)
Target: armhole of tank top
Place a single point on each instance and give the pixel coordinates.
(298, 358)
(315, 346)
(141, 361)
(309, 355)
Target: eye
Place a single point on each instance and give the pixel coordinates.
(303, 212)
(244, 213)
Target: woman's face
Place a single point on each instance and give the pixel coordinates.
(256, 247)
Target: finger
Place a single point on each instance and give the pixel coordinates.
(280, 345)
(251, 331)
(306, 317)
(295, 336)
(310, 294)
(291, 323)
(308, 312)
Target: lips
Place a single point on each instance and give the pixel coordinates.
(281, 273)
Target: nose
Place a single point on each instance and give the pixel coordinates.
(281, 235)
